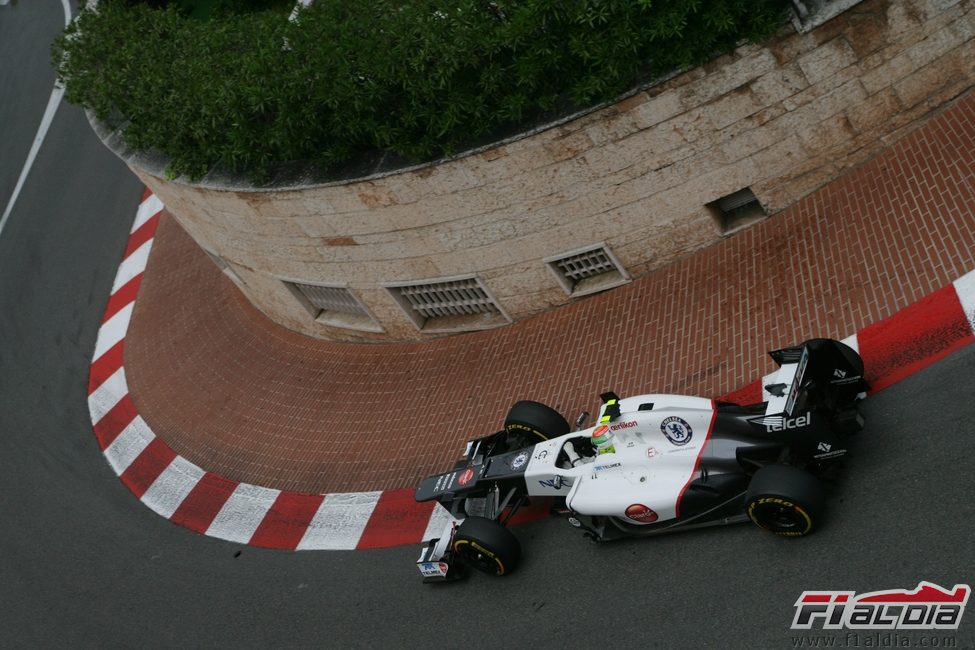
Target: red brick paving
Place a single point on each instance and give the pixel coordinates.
(247, 399)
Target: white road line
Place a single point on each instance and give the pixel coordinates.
(132, 266)
(242, 513)
(147, 210)
(113, 330)
(171, 487)
(965, 288)
(129, 444)
(339, 522)
(438, 521)
(104, 398)
(52, 107)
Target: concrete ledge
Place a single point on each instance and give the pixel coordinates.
(639, 174)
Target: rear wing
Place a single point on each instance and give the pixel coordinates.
(784, 386)
(820, 372)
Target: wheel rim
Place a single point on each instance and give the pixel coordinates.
(780, 517)
(478, 557)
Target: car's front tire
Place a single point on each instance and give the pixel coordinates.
(529, 423)
(487, 546)
(785, 500)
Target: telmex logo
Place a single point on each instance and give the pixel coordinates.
(794, 423)
(929, 607)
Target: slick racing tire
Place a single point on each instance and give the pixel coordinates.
(529, 423)
(785, 500)
(487, 546)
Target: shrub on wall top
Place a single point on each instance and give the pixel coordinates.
(416, 78)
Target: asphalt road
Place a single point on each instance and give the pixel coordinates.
(84, 564)
(26, 80)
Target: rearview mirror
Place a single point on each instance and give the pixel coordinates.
(581, 420)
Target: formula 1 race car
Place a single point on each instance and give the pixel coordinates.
(654, 464)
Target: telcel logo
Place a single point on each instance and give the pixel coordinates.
(794, 423)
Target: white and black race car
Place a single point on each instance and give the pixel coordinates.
(663, 463)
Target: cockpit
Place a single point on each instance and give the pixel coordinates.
(575, 451)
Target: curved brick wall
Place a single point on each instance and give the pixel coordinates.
(637, 175)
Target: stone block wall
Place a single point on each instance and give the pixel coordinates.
(637, 175)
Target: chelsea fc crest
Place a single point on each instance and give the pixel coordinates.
(677, 430)
(519, 461)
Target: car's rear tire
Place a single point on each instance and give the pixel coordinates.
(785, 500)
(529, 423)
(487, 546)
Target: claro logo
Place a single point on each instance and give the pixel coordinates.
(794, 423)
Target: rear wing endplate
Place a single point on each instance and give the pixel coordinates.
(784, 385)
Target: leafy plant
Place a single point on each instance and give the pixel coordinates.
(420, 78)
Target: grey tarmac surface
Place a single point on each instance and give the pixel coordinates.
(26, 81)
(84, 564)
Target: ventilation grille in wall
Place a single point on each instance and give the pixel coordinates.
(587, 270)
(449, 304)
(337, 299)
(736, 210)
(335, 306)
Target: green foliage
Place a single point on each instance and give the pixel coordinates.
(418, 78)
(203, 9)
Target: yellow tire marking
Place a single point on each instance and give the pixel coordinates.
(786, 504)
(522, 427)
(481, 549)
